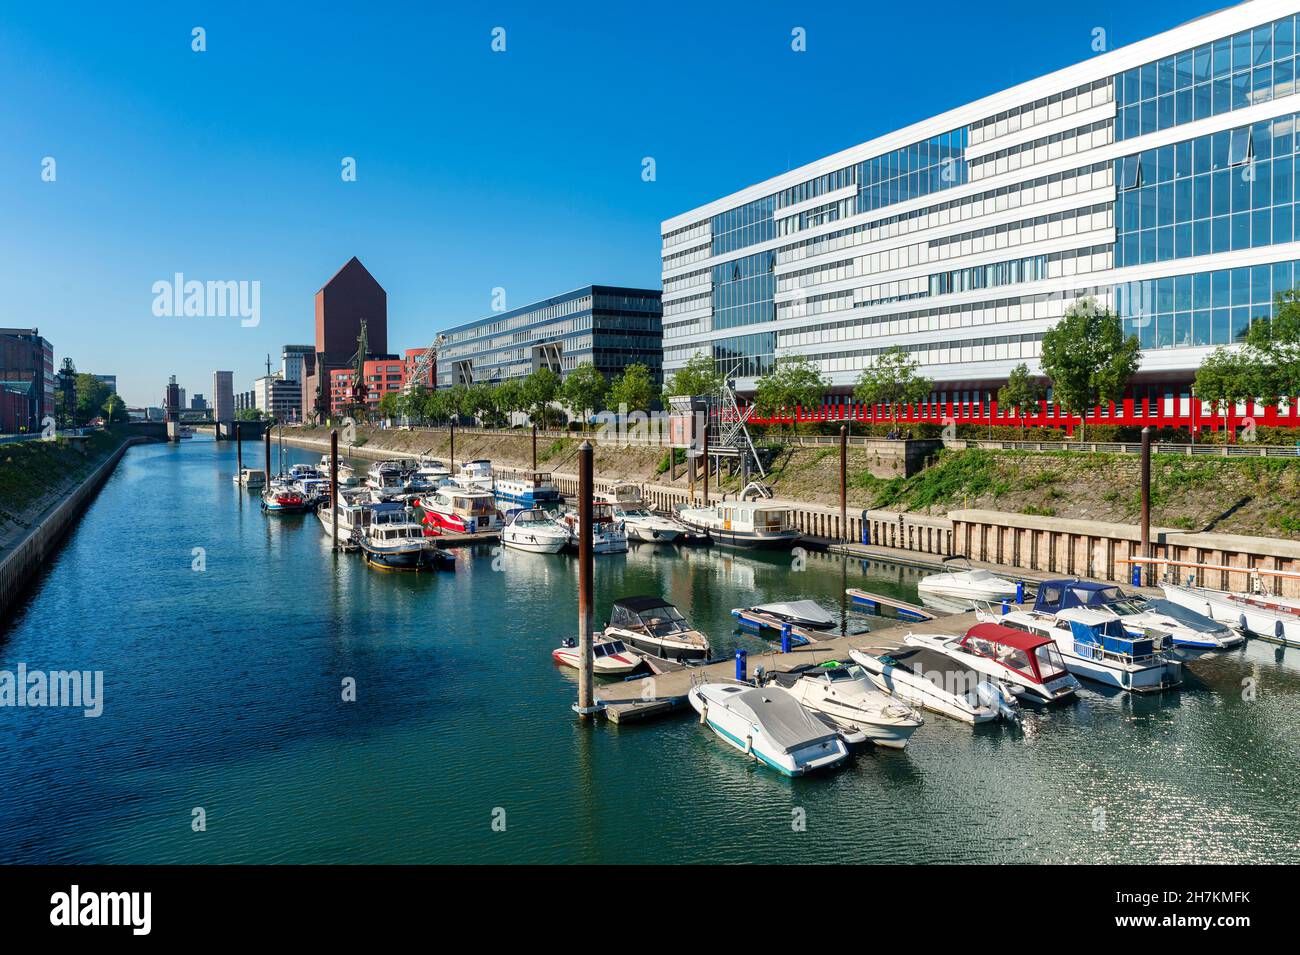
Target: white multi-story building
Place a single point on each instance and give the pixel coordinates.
(1158, 178)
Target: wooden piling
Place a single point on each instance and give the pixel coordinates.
(451, 454)
(706, 461)
(1146, 497)
(844, 482)
(334, 487)
(267, 433)
(239, 452)
(534, 448)
(585, 590)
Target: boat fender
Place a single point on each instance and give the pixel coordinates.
(704, 711)
(1278, 630)
(1241, 623)
(749, 745)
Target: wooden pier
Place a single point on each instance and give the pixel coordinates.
(465, 540)
(875, 602)
(663, 693)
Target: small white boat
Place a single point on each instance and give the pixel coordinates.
(250, 477)
(388, 479)
(608, 536)
(961, 586)
(1184, 626)
(744, 523)
(846, 696)
(536, 531)
(642, 523)
(769, 724)
(347, 477)
(1277, 618)
(938, 683)
(608, 657)
(1026, 664)
(653, 625)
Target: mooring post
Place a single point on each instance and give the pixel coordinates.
(844, 482)
(534, 448)
(451, 454)
(706, 461)
(266, 431)
(585, 597)
(1145, 550)
(334, 487)
(239, 453)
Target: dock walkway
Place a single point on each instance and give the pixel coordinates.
(660, 694)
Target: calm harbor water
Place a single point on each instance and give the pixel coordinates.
(223, 691)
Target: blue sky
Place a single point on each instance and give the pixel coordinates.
(475, 169)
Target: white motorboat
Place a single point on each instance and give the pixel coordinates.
(608, 536)
(1277, 618)
(475, 476)
(1029, 665)
(769, 724)
(936, 682)
(1183, 626)
(653, 625)
(388, 479)
(250, 477)
(960, 587)
(746, 522)
(347, 477)
(642, 523)
(608, 657)
(356, 510)
(391, 540)
(847, 696)
(535, 530)
(456, 510)
(800, 613)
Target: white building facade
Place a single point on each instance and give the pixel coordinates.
(1159, 179)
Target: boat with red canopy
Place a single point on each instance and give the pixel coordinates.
(1028, 664)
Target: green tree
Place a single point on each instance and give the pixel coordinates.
(509, 398)
(1088, 358)
(583, 391)
(700, 376)
(1265, 367)
(792, 382)
(411, 404)
(1226, 377)
(634, 389)
(388, 405)
(115, 410)
(91, 395)
(892, 379)
(248, 414)
(438, 406)
(539, 390)
(1021, 391)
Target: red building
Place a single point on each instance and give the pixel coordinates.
(351, 295)
(26, 379)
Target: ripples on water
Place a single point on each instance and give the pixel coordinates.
(223, 691)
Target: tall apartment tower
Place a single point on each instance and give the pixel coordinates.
(352, 294)
(223, 396)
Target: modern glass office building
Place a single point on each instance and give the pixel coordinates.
(1158, 178)
(608, 326)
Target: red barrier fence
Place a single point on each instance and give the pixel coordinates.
(1181, 413)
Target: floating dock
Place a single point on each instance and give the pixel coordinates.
(465, 540)
(756, 621)
(874, 603)
(659, 694)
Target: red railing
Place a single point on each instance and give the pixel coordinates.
(1157, 413)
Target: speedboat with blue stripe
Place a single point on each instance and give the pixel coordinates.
(770, 725)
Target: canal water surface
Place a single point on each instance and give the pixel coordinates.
(223, 692)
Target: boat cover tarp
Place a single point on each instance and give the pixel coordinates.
(784, 720)
(799, 611)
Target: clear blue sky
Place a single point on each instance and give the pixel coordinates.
(475, 169)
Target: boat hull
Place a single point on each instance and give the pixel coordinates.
(533, 544)
(1258, 620)
(740, 540)
(659, 649)
(731, 729)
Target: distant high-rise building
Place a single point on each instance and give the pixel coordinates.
(223, 396)
(110, 380)
(293, 361)
(275, 396)
(198, 403)
(350, 296)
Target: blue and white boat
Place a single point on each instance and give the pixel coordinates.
(394, 541)
(769, 724)
(527, 489)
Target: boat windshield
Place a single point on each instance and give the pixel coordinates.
(634, 512)
(1012, 657)
(1050, 664)
(661, 621)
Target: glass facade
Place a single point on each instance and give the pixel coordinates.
(742, 290)
(1230, 190)
(610, 327)
(1202, 308)
(1252, 66)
